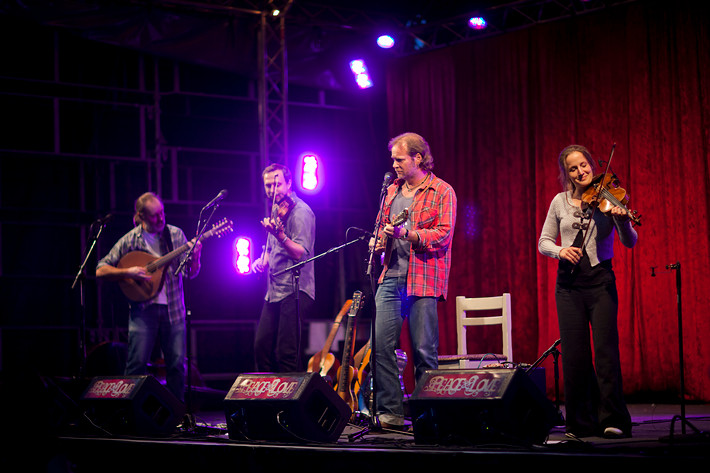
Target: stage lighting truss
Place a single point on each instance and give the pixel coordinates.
(415, 35)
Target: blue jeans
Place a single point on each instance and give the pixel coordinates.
(145, 326)
(392, 307)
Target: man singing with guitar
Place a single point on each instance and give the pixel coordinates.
(162, 315)
(419, 213)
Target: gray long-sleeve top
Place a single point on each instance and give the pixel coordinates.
(600, 240)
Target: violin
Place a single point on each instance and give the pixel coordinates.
(605, 193)
(281, 209)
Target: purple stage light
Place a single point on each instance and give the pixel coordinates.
(309, 176)
(385, 41)
(242, 255)
(477, 23)
(362, 77)
(310, 173)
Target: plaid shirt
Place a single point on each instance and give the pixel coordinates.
(134, 241)
(432, 215)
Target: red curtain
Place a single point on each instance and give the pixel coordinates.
(498, 111)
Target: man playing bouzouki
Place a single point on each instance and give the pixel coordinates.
(163, 316)
(416, 274)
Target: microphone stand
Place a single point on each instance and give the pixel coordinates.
(374, 420)
(79, 278)
(682, 417)
(189, 423)
(297, 269)
(555, 356)
(331, 250)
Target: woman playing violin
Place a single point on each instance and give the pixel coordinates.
(291, 237)
(586, 296)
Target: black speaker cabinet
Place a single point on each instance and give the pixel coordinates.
(471, 407)
(131, 405)
(291, 407)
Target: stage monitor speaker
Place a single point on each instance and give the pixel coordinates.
(473, 407)
(131, 405)
(290, 407)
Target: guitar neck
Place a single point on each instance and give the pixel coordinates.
(334, 329)
(166, 259)
(348, 348)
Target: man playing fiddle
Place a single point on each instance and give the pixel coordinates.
(291, 237)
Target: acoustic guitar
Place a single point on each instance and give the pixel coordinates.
(141, 291)
(324, 361)
(362, 363)
(347, 374)
(386, 241)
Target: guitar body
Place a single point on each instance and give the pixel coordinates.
(362, 361)
(327, 366)
(347, 386)
(140, 291)
(324, 362)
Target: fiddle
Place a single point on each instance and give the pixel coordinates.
(274, 223)
(605, 193)
(281, 209)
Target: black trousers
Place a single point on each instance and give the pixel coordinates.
(593, 388)
(277, 344)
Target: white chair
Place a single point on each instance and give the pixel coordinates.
(466, 317)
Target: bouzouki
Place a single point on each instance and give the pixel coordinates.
(347, 374)
(323, 361)
(141, 291)
(386, 241)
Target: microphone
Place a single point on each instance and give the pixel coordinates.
(222, 194)
(388, 180)
(363, 232)
(554, 345)
(103, 220)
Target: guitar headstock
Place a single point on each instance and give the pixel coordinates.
(220, 228)
(357, 303)
(401, 217)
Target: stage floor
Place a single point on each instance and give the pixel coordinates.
(45, 432)
(658, 441)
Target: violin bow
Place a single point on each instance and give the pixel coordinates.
(273, 203)
(598, 196)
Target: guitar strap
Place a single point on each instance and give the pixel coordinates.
(168, 242)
